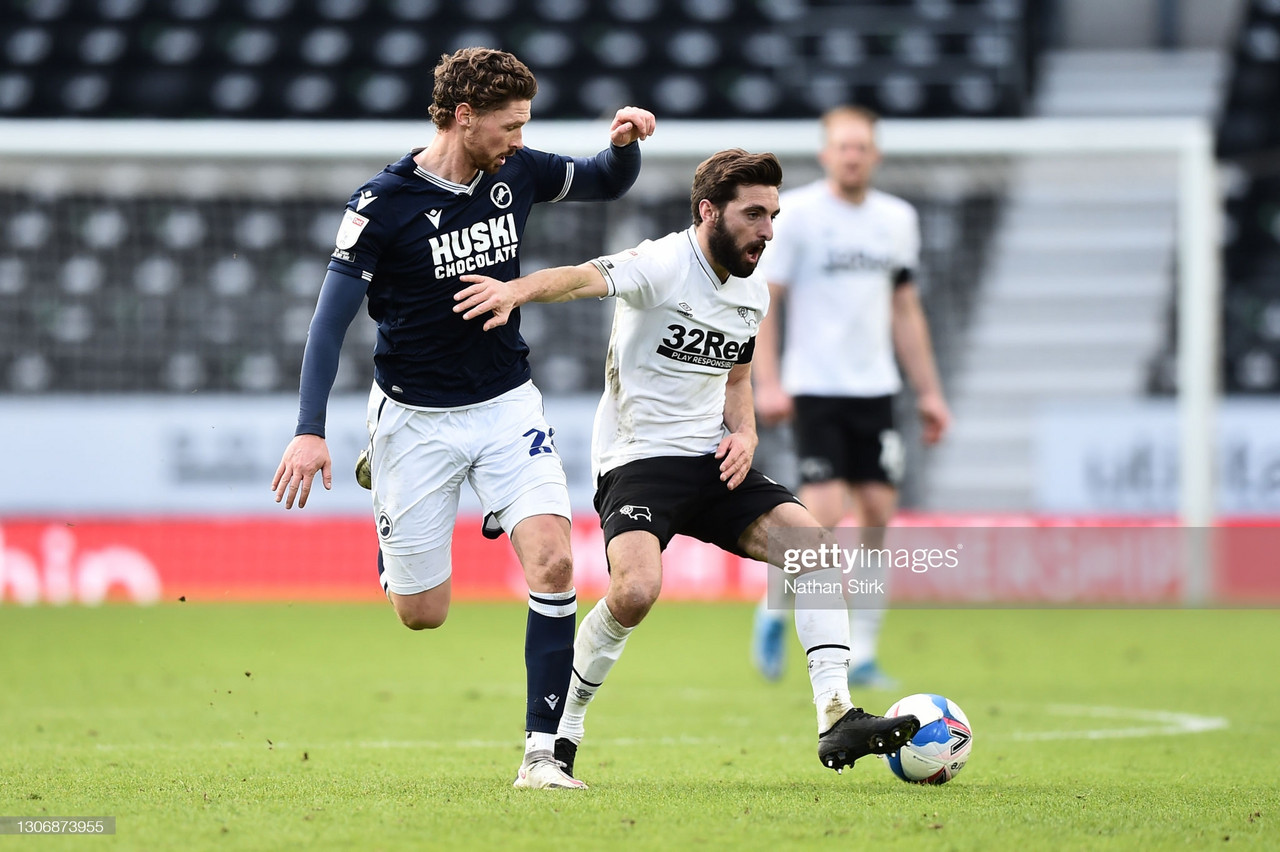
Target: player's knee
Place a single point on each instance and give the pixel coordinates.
(551, 570)
(422, 621)
(634, 597)
(422, 616)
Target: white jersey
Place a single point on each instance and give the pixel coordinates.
(677, 332)
(839, 263)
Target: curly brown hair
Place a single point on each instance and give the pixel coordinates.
(485, 78)
(718, 177)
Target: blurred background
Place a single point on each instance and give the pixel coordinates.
(172, 174)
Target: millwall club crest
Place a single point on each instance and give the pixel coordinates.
(749, 317)
(500, 195)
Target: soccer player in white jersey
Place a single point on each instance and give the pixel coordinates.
(450, 402)
(675, 436)
(844, 259)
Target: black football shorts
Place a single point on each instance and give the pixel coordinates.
(683, 495)
(849, 438)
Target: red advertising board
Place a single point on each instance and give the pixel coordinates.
(1007, 559)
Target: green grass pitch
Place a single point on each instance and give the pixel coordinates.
(332, 727)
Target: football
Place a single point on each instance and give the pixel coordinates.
(940, 750)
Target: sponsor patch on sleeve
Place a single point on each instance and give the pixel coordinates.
(350, 229)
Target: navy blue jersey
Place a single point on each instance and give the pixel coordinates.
(410, 234)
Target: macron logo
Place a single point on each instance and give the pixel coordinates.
(366, 198)
(552, 700)
(434, 216)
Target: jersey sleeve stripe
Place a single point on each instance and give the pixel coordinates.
(568, 181)
(608, 279)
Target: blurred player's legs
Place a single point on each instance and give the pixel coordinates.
(820, 620)
(768, 641)
(845, 733)
(774, 456)
(871, 506)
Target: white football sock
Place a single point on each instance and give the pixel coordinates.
(597, 647)
(822, 624)
(537, 741)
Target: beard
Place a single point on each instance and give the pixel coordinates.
(488, 163)
(729, 254)
(494, 164)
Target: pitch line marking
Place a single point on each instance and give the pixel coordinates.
(1157, 723)
(1160, 723)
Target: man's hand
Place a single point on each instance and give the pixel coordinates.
(303, 458)
(935, 417)
(631, 124)
(484, 295)
(773, 404)
(736, 450)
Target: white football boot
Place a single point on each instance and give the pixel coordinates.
(541, 771)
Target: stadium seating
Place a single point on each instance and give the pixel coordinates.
(105, 292)
(373, 58)
(1248, 136)
(175, 294)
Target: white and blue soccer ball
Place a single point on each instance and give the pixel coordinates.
(940, 749)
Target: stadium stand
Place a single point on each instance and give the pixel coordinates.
(184, 289)
(1248, 141)
(373, 58)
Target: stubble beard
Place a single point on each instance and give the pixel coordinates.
(728, 253)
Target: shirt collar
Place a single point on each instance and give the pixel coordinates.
(692, 234)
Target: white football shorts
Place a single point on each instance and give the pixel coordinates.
(502, 446)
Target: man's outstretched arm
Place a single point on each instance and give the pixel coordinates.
(556, 284)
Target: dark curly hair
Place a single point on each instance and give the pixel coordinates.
(485, 78)
(718, 177)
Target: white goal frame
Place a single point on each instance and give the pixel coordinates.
(1199, 282)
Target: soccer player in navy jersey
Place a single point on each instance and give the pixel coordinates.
(450, 401)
